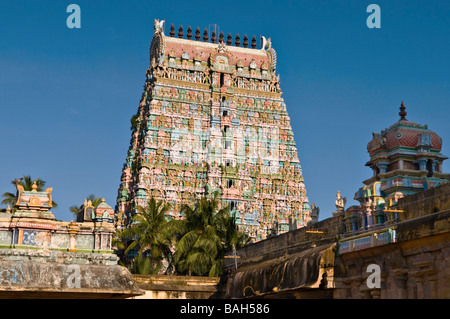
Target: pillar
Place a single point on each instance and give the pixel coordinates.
(369, 217)
(419, 284)
(400, 279)
(422, 164)
(435, 166)
(73, 231)
(382, 166)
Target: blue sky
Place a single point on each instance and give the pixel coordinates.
(67, 95)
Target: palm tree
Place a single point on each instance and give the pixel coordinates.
(204, 235)
(27, 183)
(233, 238)
(144, 265)
(149, 235)
(95, 201)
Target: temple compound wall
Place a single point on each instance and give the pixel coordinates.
(41, 257)
(212, 120)
(297, 264)
(321, 261)
(413, 255)
(178, 287)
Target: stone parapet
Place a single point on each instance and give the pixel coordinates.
(32, 279)
(177, 287)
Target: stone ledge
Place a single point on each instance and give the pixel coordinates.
(30, 279)
(63, 257)
(178, 287)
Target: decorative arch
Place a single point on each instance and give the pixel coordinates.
(220, 62)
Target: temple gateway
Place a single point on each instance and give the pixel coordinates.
(211, 121)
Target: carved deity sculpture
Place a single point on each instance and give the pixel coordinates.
(314, 212)
(340, 203)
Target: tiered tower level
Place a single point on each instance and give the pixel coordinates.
(212, 119)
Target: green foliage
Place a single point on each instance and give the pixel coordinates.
(143, 265)
(134, 121)
(193, 245)
(148, 235)
(203, 237)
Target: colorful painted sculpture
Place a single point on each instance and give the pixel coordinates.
(212, 119)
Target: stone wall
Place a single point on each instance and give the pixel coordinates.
(36, 273)
(177, 287)
(414, 266)
(413, 255)
(318, 233)
(297, 264)
(423, 203)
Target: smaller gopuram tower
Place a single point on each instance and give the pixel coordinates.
(405, 159)
(211, 121)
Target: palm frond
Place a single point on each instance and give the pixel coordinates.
(216, 268)
(209, 246)
(199, 263)
(9, 199)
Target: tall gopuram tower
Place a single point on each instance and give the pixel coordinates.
(405, 159)
(212, 119)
